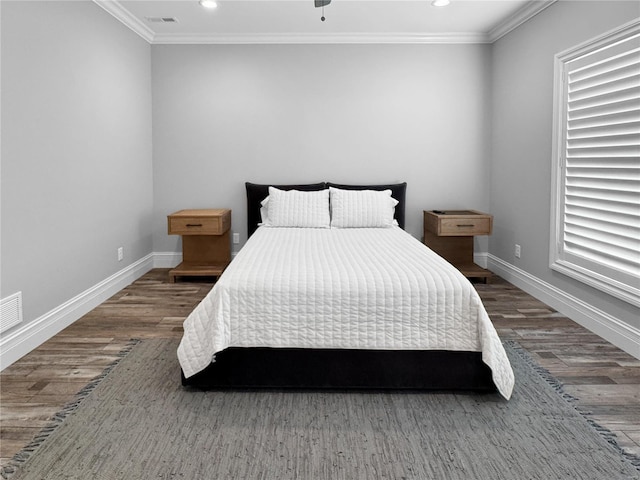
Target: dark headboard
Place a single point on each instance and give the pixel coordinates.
(258, 192)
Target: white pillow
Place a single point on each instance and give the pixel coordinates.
(293, 208)
(362, 208)
(264, 211)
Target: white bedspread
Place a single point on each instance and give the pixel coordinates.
(341, 288)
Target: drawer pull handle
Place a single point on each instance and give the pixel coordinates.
(194, 224)
(466, 225)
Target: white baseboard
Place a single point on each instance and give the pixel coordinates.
(480, 259)
(20, 341)
(172, 259)
(166, 259)
(612, 329)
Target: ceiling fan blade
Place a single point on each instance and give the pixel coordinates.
(321, 3)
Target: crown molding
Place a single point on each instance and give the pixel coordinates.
(532, 8)
(527, 12)
(302, 38)
(123, 15)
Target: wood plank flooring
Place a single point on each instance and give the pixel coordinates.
(605, 380)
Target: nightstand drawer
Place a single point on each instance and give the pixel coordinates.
(189, 222)
(457, 223)
(465, 226)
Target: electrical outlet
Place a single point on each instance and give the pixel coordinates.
(518, 251)
(236, 238)
(120, 253)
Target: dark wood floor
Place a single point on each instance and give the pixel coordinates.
(605, 380)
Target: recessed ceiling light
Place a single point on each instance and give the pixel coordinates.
(209, 4)
(440, 3)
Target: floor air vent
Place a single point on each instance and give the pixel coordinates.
(10, 311)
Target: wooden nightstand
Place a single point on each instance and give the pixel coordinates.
(206, 249)
(450, 234)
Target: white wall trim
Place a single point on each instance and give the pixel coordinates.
(480, 259)
(171, 259)
(20, 341)
(526, 13)
(612, 329)
(342, 38)
(166, 259)
(532, 8)
(118, 11)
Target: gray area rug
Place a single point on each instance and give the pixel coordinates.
(138, 422)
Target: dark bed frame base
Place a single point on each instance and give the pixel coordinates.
(329, 369)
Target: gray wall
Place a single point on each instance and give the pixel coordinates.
(76, 150)
(522, 80)
(78, 179)
(223, 115)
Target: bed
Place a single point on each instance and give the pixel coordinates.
(334, 307)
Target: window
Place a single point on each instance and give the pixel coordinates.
(595, 228)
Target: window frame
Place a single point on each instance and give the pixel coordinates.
(624, 287)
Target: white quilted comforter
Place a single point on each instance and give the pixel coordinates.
(341, 288)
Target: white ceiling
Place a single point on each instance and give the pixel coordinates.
(347, 21)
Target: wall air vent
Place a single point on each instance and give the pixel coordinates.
(161, 19)
(10, 311)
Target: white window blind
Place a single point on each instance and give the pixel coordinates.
(596, 230)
